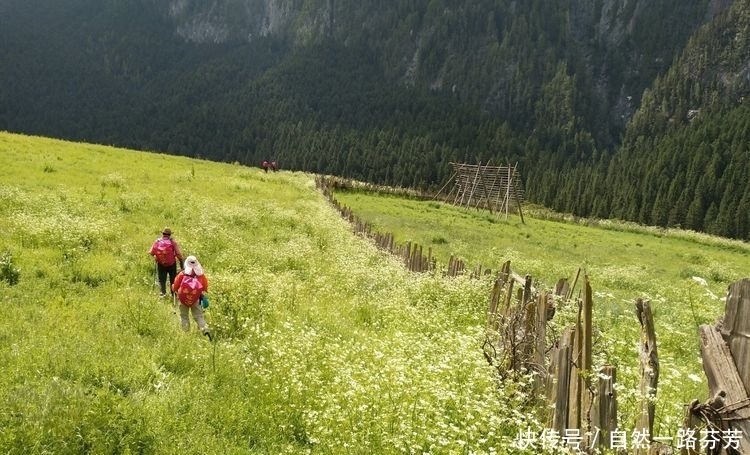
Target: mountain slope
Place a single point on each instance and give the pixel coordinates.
(494, 55)
(683, 160)
(388, 92)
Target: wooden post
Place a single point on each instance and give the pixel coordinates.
(585, 385)
(574, 418)
(649, 360)
(526, 290)
(446, 184)
(519, 299)
(723, 376)
(540, 344)
(505, 272)
(508, 186)
(473, 187)
(604, 410)
(484, 187)
(736, 328)
(551, 384)
(561, 288)
(586, 316)
(573, 286)
(507, 309)
(541, 331)
(691, 422)
(492, 317)
(529, 330)
(560, 418)
(559, 380)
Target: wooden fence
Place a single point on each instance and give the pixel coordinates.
(725, 350)
(583, 403)
(414, 256)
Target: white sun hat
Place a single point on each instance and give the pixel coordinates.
(192, 266)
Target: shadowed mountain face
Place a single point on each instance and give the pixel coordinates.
(494, 55)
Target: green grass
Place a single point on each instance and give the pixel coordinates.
(323, 344)
(623, 261)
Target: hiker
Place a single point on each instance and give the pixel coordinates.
(167, 254)
(265, 165)
(190, 285)
(274, 166)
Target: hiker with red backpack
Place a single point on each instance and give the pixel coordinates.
(167, 254)
(190, 285)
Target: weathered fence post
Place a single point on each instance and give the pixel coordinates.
(415, 260)
(691, 423)
(604, 409)
(574, 392)
(736, 328)
(725, 385)
(562, 287)
(560, 417)
(528, 311)
(585, 388)
(492, 316)
(504, 274)
(507, 309)
(572, 287)
(541, 331)
(649, 360)
(526, 291)
(561, 372)
(725, 350)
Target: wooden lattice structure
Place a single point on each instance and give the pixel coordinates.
(494, 188)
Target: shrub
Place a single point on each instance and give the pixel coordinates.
(8, 272)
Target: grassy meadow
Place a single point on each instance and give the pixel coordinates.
(684, 274)
(322, 344)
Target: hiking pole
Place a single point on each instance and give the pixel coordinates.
(156, 274)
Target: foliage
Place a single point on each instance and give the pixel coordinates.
(8, 271)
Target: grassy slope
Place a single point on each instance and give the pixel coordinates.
(323, 344)
(624, 262)
(482, 238)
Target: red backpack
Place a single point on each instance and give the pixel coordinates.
(164, 252)
(190, 290)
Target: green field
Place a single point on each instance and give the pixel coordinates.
(623, 261)
(323, 344)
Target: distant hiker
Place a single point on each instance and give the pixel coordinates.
(265, 165)
(273, 165)
(166, 252)
(190, 285)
